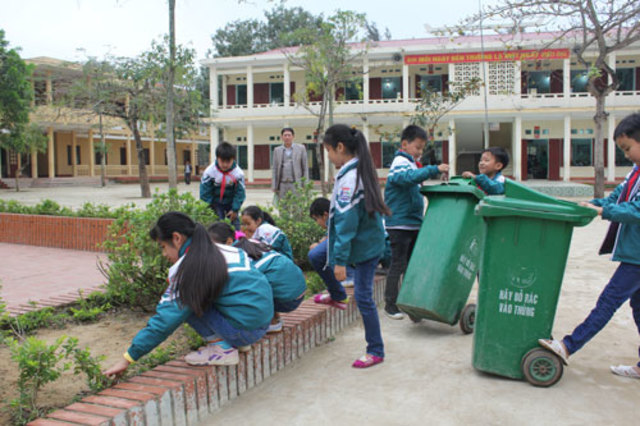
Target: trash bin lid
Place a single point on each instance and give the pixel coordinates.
(456, 184)
(552, 209)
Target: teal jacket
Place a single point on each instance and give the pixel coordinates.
(246, 301)
(354, 236)
(402, 192)
(211, 186)
(286, 279)
(491, 186)
(274, 237)
(627, 213)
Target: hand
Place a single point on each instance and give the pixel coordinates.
(591, 206)
(232, 215)
(443, 168)
(117, 369)
(340, 272)
(468, 175)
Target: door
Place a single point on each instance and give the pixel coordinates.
(538, 159)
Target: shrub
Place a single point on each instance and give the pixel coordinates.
(315, 283)
(51, 208)
(136, 270)
(295, 222)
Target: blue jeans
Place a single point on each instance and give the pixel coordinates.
(213, 325)
(222, 210)
(624, 285)
(288, 306)
(363, 292)
(318, 259)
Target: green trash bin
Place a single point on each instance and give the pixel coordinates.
(525, 253)
(446, 256)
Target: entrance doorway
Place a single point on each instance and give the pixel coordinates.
(538, 159)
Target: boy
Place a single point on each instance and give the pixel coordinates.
(319, 212)
(622, 209)
(222, 184)
(402, 195)
(490, 179)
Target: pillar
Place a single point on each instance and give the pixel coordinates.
(516, 148)
(213, 88)
(92, 154)
(224, 91)
(51, 153)
(287, 85)
(129, 165)
(152, 150)
(566, 78)
(566, 149)
(214, 140)
(74, 157)
(365, 80)
(611, 149)
(249, 86)
(34, 164)
(452, 147)
(250, 157)
(517, 78)
(405, 83)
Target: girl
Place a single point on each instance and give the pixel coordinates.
(286, 279)
(260, 226)
(356, 234)
(214, 288)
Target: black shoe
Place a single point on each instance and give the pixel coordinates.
(393, 312)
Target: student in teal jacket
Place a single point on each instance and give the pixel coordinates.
(492, 161)
(212, 287)
(260, 226)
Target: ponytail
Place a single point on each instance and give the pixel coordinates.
(203, 272)
(254, 248)
(356, 144)
(220, 232)
(255, 213)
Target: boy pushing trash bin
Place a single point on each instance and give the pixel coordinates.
(622, 209)
(492, 161)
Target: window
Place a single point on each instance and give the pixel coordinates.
(391, 87)
(70, 157)
(388, 152)
(353, 90)
(581, 153)
(432, 154)
(276, 93)
(620, 158)
(242, 157)
(241, 94)
(98, 158)
(69, 160)
(186, 156)
(626, 77)
(123, 156)
(78, 156)
(579, 80)
(431, 82)
(539, 81)
(147, 156)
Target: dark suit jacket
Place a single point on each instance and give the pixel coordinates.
(299, 158)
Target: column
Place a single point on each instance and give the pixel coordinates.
(566, 78)
(250, 148)
(516, 148)
(611, 149)
(194, 155)
(74, 158)
(405, 83)
(287, 85)
(152, 150)
(566, 149)
(214, 140)
(213, 89)
(365, 129)
(51, 153)
(129, 165)
(92, 154)
(250, 86)
(517, 78)
(365, 80)
(34, 164)
(49, 89)
(452, 147)
(224, 91)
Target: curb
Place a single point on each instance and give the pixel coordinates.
(176, 393)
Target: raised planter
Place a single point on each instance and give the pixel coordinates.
(74, 233)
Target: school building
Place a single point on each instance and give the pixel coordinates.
(73, 135)
(536, 100)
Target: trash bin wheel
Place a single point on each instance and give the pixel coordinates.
(414, 319)
(468, 318)
(541, 367)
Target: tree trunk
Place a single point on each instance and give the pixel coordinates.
(18, 172)
(171, 144)
(103, 156)
(142, 164)
(319, 148)
(598, 164)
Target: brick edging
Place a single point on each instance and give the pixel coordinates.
(179, 394)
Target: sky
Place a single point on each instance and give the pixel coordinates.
(73, 30)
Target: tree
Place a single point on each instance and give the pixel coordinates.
(595, 29)
(328, 58)
(171, 71)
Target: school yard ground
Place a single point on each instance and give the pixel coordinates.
(427, 377)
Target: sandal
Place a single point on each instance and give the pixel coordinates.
(556, 347)
(625, 371)
(325, 299)
(366, 361)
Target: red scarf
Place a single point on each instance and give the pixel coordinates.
(631, 183)
(224, 179)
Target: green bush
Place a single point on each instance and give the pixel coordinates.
(295, 222)
(136, 270)
(51, 208)
(315, 284)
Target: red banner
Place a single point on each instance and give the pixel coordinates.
(495, 56)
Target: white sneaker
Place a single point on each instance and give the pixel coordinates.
(556, 347)
(393, 312)
(347, 283)
(213, 355)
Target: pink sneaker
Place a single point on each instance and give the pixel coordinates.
(213, 355)
(325, 299)
(367, 361)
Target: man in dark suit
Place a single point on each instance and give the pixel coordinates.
(289, 164)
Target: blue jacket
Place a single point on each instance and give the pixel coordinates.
(286, 279)
(211, 186)
(627, 213)
(246, 301)
(354, 236)
(491, 186)
(402, 192)
(274, 237)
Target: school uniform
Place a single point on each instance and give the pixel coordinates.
(223, 191)
(274, 237)
(286, 278)
(491, 186)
